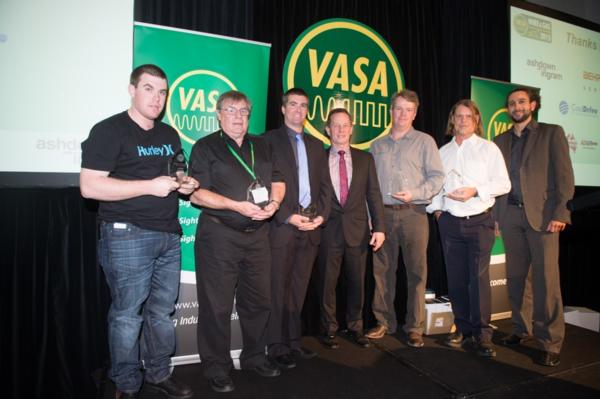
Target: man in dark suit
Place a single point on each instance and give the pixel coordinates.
(530, 217)
(295, 230)
(346, 236)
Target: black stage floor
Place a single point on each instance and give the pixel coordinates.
(390, 369)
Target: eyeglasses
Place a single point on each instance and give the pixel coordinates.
(234, 111)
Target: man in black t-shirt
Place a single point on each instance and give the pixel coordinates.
(125, 167)
(233, 257)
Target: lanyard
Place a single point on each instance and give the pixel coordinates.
(250, 170)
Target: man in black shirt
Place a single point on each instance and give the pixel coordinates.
(233, 258)
(125, 167)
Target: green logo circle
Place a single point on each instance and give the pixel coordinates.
(498, 124)
(342, 63)
(192, 103)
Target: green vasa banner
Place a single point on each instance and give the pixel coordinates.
(200, 67)
(490, 96)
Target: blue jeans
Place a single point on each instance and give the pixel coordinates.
(142, 269)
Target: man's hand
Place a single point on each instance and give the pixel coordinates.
(462, 194)
(162, 186)
(404, 196)
(249, 210)
(437, 215)
(267, 211)
(298, 220)
(188, 185)
(316, 222)
(377, 239)
(555, 226)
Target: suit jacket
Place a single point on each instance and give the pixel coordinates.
(320, 192)
(546, 175)
(352, 220)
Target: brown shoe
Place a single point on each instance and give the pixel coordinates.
(415, 340)
(377, 332)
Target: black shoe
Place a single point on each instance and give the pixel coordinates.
(454, 340)
(548, 359)
(330, 341)
(285, 362)
(514, 340)
(486, 349)
(360, 339)
(222, 384)
(267, 369)
(303, 353)
(172, 388)
(125, 395)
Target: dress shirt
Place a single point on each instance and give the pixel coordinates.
(417, 157)
(516, 156)
(334, 167)
(480, 164)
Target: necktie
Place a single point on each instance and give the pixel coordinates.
(343, 179)
(303, 181)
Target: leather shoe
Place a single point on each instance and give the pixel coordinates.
(172, 388)
(514, 340)
(330, 341)
(125, 395)
(360, 339)
(548, 359)
(377, 332)
(222, 384)
(267, 369)
(303, 353)
(454, 340)
(486, 349)
(415, 340)
(285, 361)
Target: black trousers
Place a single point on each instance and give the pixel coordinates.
(467, 245)
(292, 267)
(332, 259)
(230, 264)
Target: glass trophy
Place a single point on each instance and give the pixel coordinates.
(258, 193)
(454, 181)
(177, 166)
(398, 182)
(309, 212)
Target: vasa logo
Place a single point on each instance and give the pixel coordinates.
(499, 123)
(342, 63)
(192, 103)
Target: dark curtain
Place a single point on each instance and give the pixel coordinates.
(54, 300)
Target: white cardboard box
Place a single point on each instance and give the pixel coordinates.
(439, 318)
(582, 317)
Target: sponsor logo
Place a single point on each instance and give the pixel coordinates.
(547, 71)
(343, 63)
(192, 103)
(577, 109)
(498, 124)
(572, 141)
(588, 144)
(533, 28)
(594, 77)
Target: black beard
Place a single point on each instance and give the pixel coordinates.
(522, 118)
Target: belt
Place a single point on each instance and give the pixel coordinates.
(515, 203)
(399, 207)
(218, 221)
(470, 216)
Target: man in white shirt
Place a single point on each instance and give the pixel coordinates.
(475, 174)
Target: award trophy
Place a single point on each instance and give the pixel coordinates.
(398, 182)
(309, 212)
(177, 166)
(454, 180)
(258, 193)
